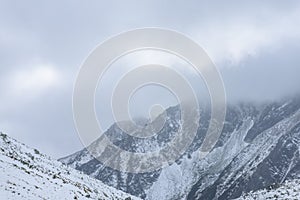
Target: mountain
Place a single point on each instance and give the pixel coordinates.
(26, 173)
(258, 147)
(288, 190)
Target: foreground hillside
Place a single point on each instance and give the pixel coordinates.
(25, 173)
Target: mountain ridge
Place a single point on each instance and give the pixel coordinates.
(253, 136)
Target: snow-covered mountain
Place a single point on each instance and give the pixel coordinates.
(259, 146)
(25, 173)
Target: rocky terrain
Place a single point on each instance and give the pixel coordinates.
(288, 190)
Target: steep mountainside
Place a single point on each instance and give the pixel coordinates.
(259, 146)
(25, 173)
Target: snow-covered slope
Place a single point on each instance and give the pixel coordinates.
(25, 173)
(288, 190)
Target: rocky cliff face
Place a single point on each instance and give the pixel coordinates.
(258, 147)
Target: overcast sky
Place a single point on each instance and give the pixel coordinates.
(255, 44)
